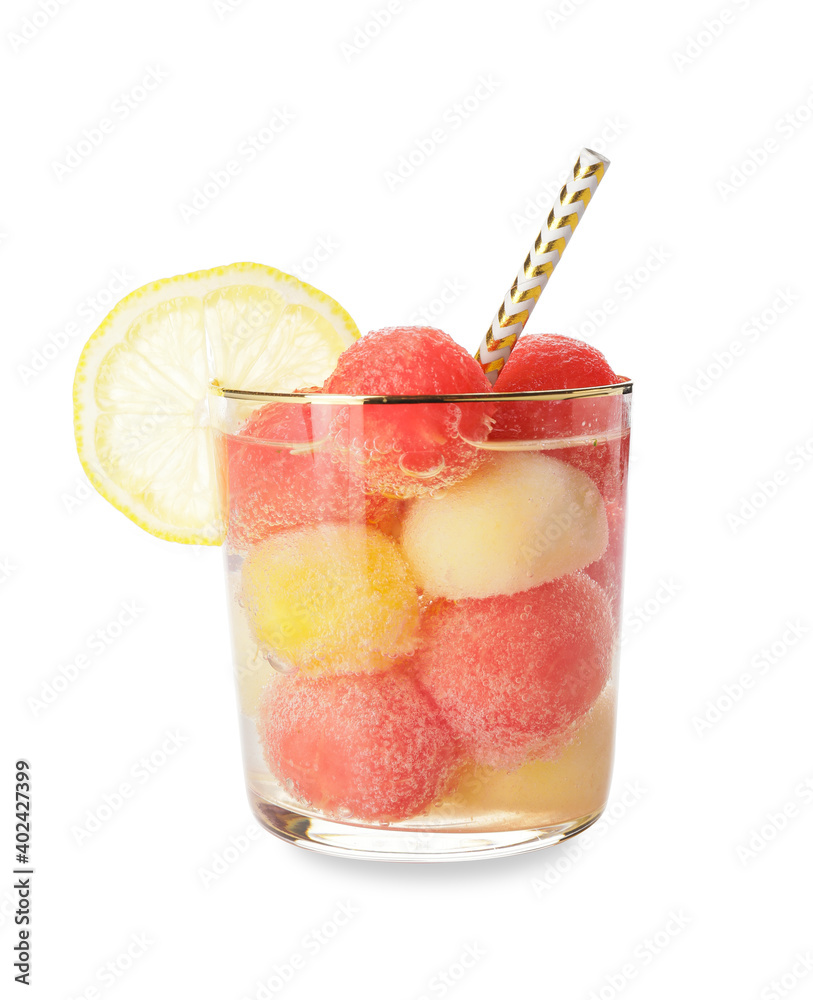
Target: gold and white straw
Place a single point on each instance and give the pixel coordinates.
(545, 254)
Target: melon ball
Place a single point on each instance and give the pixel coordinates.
(541, 361)
(511, 675)
(370, 747)
(547, 361)
(521, 520)
(331, 598)
(410, 449)
(282, 472)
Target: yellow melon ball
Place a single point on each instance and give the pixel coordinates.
(331, 599)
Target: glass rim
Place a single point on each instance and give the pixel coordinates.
(618, 389)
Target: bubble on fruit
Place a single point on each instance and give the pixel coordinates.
(281, 664)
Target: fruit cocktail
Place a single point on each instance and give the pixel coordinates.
(424, 582)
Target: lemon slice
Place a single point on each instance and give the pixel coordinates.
(141, 415)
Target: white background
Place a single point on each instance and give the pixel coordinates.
(708, 201)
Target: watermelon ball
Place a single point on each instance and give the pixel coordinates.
(541, 361)
(521, 520)
(370, 747)
(331, 598)
(277, 480)
(410, 449)
(511, 675)
(547, 361)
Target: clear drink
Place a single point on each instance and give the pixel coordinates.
(425, 641)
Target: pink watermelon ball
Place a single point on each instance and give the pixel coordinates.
(547, 361)
(357, 746)
(512, 674)
(410, 449)
(542, 361)
(271, 487)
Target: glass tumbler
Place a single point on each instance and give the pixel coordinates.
(425, 598)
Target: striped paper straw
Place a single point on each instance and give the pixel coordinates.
(545, 254)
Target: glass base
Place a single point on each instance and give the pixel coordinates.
(349, 840)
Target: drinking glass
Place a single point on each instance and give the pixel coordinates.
(425, 598)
